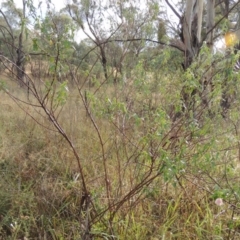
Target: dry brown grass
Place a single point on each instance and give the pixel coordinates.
(41, 187)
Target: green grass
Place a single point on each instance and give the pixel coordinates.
(148, 177)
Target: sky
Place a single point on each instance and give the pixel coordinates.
(58, 4)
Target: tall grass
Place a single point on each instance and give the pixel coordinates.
(148, 174)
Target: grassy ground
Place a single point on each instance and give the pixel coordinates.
(148, 177)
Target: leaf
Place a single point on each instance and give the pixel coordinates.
(62, 93)
(35, 44)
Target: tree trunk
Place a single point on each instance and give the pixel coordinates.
(187, 32)
(200, 16)
(20, 53)
(104, 61)
(192, 29)
(20, 61)
(210, 22)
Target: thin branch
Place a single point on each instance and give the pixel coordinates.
(5, 18)
(146, 40)
(173, 9)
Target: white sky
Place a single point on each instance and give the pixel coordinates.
(58, 4)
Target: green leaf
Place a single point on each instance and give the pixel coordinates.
(35, 44)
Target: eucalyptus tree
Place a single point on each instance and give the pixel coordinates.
(54, 41)
(122, 22)
(200, 25)
(200, 22)
(15, 29)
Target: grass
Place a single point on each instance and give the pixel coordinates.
(148, 177)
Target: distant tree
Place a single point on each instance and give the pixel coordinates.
(123, 22)
(200, 22)
(15, 29)
(54, 41)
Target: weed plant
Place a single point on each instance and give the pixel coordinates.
(150, 169)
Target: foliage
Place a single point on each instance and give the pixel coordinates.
(112, 139)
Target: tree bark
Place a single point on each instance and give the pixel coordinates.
(192, 29)
(200, 16)
(187, 32)
(20, 61)
(20, 53)
(210, 22)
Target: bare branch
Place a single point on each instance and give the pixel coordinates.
(173, 9)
